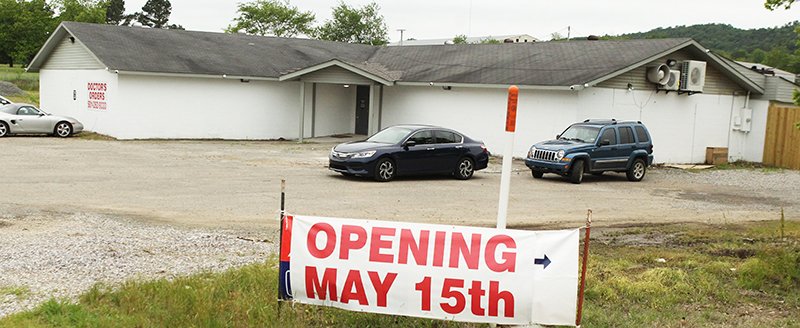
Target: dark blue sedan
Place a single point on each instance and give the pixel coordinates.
(410, 150)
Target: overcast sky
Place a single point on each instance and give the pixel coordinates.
(433, 19)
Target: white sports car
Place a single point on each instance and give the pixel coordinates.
(27, 119)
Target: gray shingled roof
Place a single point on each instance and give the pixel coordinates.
(187, 52)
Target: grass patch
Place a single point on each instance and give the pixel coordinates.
(16, 291)
(672, 275)
(93, 136)
(28, 82)
(744, 165)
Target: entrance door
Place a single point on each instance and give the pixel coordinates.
(362, 109)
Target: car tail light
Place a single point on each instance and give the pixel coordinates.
(485, 150)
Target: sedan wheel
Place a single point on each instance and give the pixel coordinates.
(3, 129)
(466, 168)
(385, 170)
(63, 129)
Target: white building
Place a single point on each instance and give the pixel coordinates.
(136, 83)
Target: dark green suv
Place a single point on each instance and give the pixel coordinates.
(594, 147)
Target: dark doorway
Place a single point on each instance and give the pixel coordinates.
(362, 109)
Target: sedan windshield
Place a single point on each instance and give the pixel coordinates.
(391, 135)
(580, 133)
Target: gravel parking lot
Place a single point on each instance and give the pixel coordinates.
(75, 212)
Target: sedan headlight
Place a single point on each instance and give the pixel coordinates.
(364, 154)
(560, 154)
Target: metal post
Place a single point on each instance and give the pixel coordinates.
(280, 242)
(583, 269)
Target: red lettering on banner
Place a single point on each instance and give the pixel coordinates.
(351, 244)
(494, 298)
(377, 244)
(449, 292)
(354, 288)
(324, 288)
(438, 248)
(386, 246)
(419, 250)
(470, 254)
(491, 257)
(311, 241)
(382, 287)
(476, 293)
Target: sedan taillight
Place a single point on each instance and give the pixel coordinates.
(485, 150)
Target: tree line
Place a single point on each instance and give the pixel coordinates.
(775, 46)
(25, 25)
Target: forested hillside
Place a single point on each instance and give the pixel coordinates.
(773, 46)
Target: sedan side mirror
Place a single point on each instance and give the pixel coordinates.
(410, 143)
(41, 114)
(605, 142)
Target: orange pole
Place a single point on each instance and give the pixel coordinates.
(511, 113)
(583, 269)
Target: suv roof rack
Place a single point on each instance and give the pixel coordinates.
(599, 120)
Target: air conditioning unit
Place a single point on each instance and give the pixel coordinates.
(693, 76)
(674, 82)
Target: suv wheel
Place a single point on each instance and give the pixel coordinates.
(537, 174)
(576, 175)
(637, 170)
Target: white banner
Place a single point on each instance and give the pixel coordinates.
(436, 271)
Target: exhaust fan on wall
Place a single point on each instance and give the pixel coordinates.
(658, 74)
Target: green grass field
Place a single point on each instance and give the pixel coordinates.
(678, 275)
(28, 82)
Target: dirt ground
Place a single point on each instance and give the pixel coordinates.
(236, 185)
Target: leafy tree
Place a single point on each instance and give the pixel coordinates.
(88, 11)
(555, 36)
(773, 4)
(115, 12)
(355, 25)
(460, 39)
(24, 27)
(490, 40)
(155, 13)
(272, 17)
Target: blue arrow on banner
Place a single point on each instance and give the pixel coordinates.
(545, 261)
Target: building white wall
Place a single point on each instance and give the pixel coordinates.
(56, 96)
(681, 126)
(335, 109)
(181, 107)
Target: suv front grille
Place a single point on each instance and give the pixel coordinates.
(544, 155)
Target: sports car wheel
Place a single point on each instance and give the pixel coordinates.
(385, 170)
(63, 129)
(3, 129)
(465, 169)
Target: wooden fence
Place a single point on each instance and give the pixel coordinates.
(782, 144)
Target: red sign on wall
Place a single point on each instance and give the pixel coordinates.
(97, 96)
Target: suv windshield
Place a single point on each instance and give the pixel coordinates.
(580, 133)
(391, 135)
